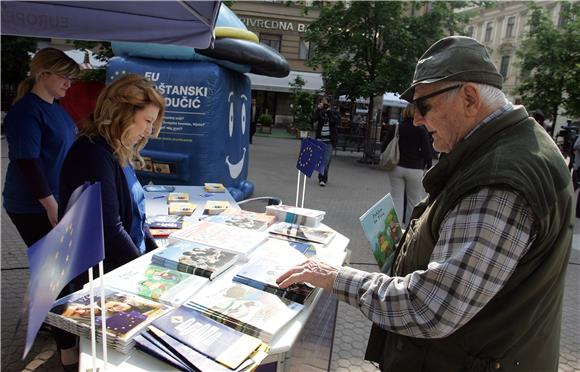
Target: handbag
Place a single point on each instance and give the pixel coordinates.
(390, 157)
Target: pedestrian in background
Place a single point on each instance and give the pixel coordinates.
(326, 121)
(39, 134)
(415, 156)
(478, 277)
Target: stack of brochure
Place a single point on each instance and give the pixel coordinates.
(194, 258)
(126, 316)
(268, 262)
(246, 309)
(155, 282)
(228, 238)
(184, 337)
(312, 234)
(299, 216)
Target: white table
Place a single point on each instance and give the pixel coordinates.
(282, 341)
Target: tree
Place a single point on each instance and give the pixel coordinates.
(16, 52)
(102, 51)
(550, 62)
(303, 103)
(369, 48)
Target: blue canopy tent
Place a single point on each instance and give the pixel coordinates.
(187, 23)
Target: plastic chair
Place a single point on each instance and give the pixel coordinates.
(259, 203)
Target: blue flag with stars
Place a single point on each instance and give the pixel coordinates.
(311, 156)
(73, 246)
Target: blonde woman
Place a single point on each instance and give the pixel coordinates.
(127, 113)
(415, 155)
(39, 134)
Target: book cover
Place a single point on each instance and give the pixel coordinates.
(229, 238)
(215, 207)
(249, 310)
(214, 187)
(155, 282)
(268, 262)
(126, 314)
(241, 221)
(161, 233)
(267, 218)
(178, 197)
(181, 209)
(164, 221)
(195, 259)
(313, 234)
(213, 339)
(383, 230)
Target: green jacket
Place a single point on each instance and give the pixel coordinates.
(519, 329)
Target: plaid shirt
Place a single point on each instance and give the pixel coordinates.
(480, 243)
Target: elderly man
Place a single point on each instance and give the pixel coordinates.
(478, 278)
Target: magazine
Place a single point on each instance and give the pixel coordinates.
(249, 310)
(228, 238)
(383, 231)
(155, 282)
(126, 316)
(267, 218)
(164, 221)
(241, 221)
(213, 339)
(268, 262)
(194, 258)
(316, 235)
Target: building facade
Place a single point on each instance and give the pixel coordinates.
(502, 29)
(281, 26)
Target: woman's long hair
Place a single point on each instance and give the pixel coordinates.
(114, 111)
(47, 60)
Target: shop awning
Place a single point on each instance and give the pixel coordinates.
(188, 23)
(313, 82)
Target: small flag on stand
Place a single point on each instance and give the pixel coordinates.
(73, 246)
(311, 156)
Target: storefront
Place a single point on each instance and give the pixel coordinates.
(281, 26)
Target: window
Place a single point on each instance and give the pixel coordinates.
(511, 24)
(488, 31)
(504, 67)
(469, 31)
(273, 41)
(306, 50)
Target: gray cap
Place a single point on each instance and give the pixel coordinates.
(457, 58)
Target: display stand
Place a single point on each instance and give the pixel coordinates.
(282, 342)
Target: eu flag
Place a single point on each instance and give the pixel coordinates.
(311, 156)
(70, 248)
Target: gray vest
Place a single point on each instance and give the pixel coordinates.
(519, 329)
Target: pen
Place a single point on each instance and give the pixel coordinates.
(158, 197)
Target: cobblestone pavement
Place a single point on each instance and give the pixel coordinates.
(352, 188)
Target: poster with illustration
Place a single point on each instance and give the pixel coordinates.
(383, 231)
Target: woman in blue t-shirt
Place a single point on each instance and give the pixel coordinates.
(39, 133)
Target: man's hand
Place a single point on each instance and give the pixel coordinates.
(312, 271)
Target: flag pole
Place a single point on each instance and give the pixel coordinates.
(298, 188)
(93, 326)
(303, 192)
(104, 318)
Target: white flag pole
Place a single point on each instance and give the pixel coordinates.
(93, 326)
(103, 312)
(298, 188)
(303, 192)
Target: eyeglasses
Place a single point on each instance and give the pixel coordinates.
(65, 77)
(423, 107)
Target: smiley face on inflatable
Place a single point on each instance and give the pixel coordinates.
(237, 124)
